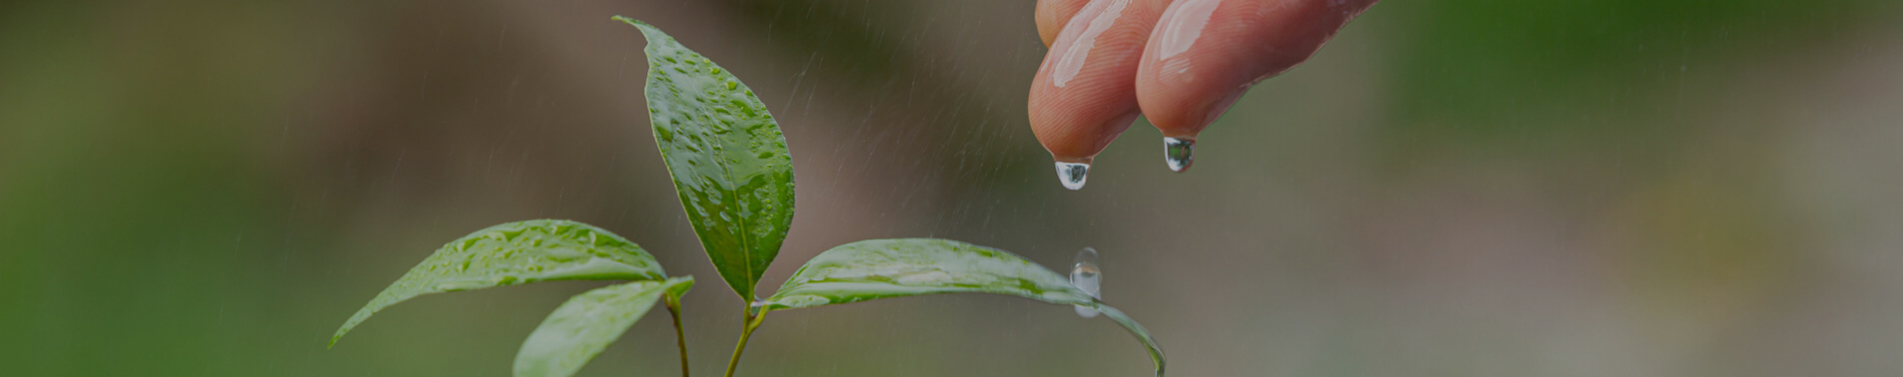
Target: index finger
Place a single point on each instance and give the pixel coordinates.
(1084, 93)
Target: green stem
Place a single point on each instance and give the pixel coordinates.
(680, 333)
(746, 331)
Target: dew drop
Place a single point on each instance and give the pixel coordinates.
(1179, 153)
(1087, 277)
(1072, 174)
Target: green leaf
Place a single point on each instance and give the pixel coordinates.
(729, 162)
(587, 324)
(876, 269)
(517, 253)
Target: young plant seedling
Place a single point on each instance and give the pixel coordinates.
(734, 176)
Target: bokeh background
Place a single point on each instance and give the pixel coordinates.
(1450, 188)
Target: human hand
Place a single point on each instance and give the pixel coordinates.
(1180, 63)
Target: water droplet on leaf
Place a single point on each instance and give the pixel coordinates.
(1085, 274)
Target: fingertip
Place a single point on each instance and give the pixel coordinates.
(1084, 94)
(1205, 54)
(1078, 134)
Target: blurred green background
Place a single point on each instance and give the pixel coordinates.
(1450, 188)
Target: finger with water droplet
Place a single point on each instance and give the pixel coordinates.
(1204, 54)
(1083, 95)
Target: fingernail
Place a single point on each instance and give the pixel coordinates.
(1179, 153)
(1072, 174)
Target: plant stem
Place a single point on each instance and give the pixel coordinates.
(746, 331)
(680, 333)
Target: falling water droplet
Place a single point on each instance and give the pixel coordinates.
(1179, 153)
(1072, 174)
(1087, 277)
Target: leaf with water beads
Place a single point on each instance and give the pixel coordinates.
(875, 269)
(587, 323)
(726, 155)
(517, 253)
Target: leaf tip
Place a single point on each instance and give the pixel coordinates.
(653, 34)
(680, 284)
(1142, 335)
(340, 332)
(643, 25)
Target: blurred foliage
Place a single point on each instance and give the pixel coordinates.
(186, 190)
(1523, 78)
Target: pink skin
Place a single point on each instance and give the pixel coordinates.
(1180, 63)
(1084, 94)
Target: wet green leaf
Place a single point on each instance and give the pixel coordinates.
(587, 324)
(517, 253)
(876, 269)
(729, 162)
